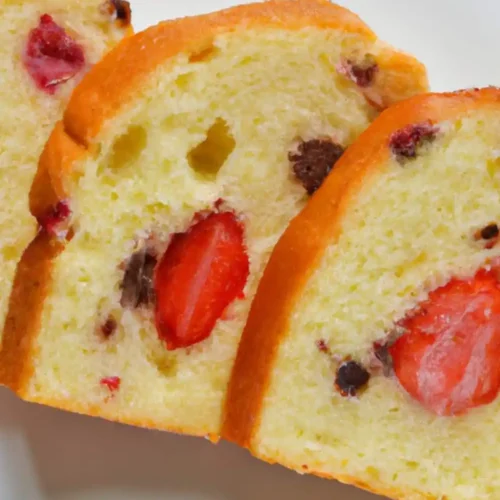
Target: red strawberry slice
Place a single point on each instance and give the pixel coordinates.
(448, 359)
(202, 272)
(52, 57)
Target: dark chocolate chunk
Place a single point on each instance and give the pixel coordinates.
(405, 142)
(109, 327)
(314, 161)
(351, 377)
(489, 232)
(148, 295)
(381, 351)
(137, 286)
(122, 11)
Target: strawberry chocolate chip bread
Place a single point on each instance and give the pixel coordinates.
(371, 351)
(181, 158)
(46, 48)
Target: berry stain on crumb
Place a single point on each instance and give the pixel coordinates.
(111, 383)
(405, 142)
(53, 221)
(51, 56)
(362, 73)
(323, 346)
(313, 161)
(351, 378)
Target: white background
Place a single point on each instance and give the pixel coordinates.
(46, 454)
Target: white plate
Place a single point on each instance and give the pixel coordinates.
(46, 454)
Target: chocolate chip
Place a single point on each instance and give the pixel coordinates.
(148, 295)
(381, 351)
(351, 377)
(137, 286)
(489, 232)
(122, 11)
(313, 162)
(109, 328)
(405, 142)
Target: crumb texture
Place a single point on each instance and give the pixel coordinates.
(218, 124)
(407, 230)
(28, 114)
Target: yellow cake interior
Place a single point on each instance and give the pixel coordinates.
(407, 230)
(216, 124)
(28, 114)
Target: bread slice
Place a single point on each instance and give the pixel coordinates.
(46, 47)
(402, 267)
(175, 160)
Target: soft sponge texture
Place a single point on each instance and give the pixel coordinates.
(218, 123)
(29, 114)
(400, 231)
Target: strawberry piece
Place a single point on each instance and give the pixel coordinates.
(52, 57)
(448, 357)
(202, 272)
(112, 383)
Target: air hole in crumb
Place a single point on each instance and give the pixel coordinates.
(208, 157)
(184, 80)
(165, 364)
(128, 147)
(493, 167)
(203, 55)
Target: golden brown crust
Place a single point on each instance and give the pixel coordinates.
(399, 77)
(376, 488)
(47, 188)
(104, 90)
(34, 271)
(107, 411)
(31, 286)
(297, 253)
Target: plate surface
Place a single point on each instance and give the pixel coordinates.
(47, 454)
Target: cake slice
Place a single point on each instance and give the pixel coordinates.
(47, 46)
(180, 161)
(370, 353)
